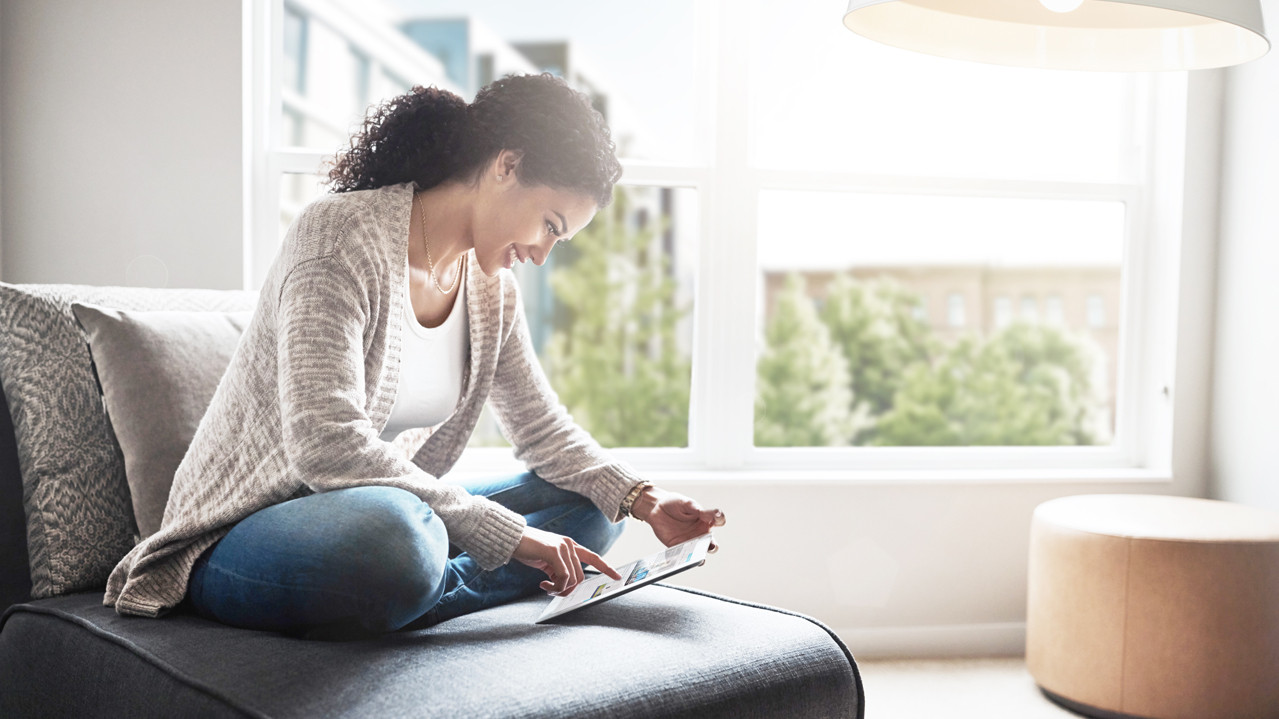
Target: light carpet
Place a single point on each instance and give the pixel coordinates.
(960, 688)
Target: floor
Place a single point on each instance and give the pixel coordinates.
(985, 688)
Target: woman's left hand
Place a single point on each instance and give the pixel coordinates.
(674, 517)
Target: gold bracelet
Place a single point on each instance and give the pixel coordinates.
(631, 496)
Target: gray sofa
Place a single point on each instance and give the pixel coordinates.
(662, 651)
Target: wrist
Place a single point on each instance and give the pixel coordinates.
(645, 503)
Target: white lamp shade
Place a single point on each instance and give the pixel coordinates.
(1121, 35)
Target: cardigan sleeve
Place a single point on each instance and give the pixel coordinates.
(545, 437)
(329, 441)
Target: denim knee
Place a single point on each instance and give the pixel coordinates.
(405, 559)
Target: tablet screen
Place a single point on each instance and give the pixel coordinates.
(596, 588)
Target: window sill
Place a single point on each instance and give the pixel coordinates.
(918, 477)
(791, 478)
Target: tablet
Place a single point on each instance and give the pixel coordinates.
(596, 588)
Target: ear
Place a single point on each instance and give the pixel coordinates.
(506, 164)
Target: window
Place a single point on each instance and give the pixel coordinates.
(965, 186)
(815, 268)
(955, 309)
(920, 311)
(1053, 314)
(294, 50)
(611, 315)
(1029, 309)
(362, 77)
(1003, 311)
(1096, 311)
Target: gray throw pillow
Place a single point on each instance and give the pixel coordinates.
(158, 372)
(79, 515)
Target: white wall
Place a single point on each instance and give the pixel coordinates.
(120, 138)
(1245, 427)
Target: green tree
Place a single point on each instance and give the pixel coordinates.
(1027, 385)
(875, 325)
(802, 395)
(613, 358)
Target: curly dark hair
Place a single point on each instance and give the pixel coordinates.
(430, 136)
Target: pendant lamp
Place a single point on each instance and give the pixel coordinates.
(1121, 35)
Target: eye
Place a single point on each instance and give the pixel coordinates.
(550, 228)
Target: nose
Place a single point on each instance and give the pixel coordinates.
(539, 253)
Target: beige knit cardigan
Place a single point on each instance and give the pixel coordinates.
(310, 388)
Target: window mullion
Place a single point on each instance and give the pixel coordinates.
(725, 359)
(263, 48)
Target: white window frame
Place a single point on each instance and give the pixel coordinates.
(721, 415)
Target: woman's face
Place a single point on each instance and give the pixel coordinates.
(521, 223)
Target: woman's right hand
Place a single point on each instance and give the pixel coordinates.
(560, 557)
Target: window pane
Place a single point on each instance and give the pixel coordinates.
(294, 49)
(1096, 311)
(955, 310)
(610, 314)
(1053, 311)
(826, 98)
(847, 358)
(1029, 309)
(1003, 312)
(340, 56)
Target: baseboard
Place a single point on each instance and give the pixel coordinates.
(945, 640)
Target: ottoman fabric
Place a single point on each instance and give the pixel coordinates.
(1153, 606)
(661, 651)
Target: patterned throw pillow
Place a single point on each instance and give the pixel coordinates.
(79, 513)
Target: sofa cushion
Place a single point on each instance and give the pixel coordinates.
(661, 651)
(158, 372)
(79, 515)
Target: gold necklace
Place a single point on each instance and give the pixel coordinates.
(430, 264)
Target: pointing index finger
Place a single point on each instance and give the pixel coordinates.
(594, 560)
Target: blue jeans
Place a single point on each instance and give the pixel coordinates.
(367, 560)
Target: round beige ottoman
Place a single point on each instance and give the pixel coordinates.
(1157, 607)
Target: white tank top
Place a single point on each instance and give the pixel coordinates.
(432, 360)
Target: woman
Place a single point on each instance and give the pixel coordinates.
(388, 307)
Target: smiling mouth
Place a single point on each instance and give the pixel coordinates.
(512, 257)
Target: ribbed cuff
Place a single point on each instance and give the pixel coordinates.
(614, 483)
(497, 535)
(139, 609)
